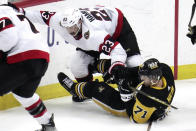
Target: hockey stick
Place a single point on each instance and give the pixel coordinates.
(151, 97)
(149, 126)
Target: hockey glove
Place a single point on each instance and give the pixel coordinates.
(192, 34)
(108, 78)
(118, 70)
(125, 93)
(159, 114)
(122, 72)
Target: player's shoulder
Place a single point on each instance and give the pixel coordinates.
(165, 67)
(167, 72)
(6, 10)
(5, 20)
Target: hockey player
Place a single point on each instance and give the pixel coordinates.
(94, 31)
(192, 29)
(23, 62)
(157, 81)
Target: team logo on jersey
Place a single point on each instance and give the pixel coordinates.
(86, 34)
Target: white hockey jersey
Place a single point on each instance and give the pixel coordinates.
(99, 24)
(19, 38)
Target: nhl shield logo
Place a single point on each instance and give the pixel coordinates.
(86, 34)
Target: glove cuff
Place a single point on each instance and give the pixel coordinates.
(126, 97)
(117, 63)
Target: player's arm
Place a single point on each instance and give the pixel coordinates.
(41, 17)
(117, 53)
(8, 34)
(167, 73)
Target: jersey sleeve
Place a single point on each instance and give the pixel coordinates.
(118, 54)
(114, 49)
(41, 17)
(8, 34)
(167, 73)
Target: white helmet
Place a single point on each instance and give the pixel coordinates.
(71, 17)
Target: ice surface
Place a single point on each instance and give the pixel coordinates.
(90, 117)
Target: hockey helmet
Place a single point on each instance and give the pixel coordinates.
(151, 68)
(71, 18)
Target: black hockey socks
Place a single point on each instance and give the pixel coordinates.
(103, 65)
(79, 89)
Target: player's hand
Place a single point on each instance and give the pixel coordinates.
(125, 93)
(118, 71)
(192, 34)
(108, 78)
(158, 115)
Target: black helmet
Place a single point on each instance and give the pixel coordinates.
(151, 68)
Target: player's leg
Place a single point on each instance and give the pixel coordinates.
(80, 69)
(80, 66)
(128, 39)
(36, 108)
(101, 93)
(26, 95)
(102, 65)
(104, 95)
(11, 76)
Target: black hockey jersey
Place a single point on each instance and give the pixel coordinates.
(144, 107)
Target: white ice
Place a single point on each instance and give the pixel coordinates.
(90, 117)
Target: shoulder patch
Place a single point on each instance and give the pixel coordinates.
(86, 34)
(46, 15)
(5, 23)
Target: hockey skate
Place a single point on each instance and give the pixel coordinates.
(78, 99)
(50, 126)
(68, 84)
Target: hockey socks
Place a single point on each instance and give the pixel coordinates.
(35, 107)
(79, 89)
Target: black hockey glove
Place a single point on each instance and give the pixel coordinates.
(159, 114)
(108, 78)
(192, 34)
(125, 93)
(20, 10)
(121, 72)
(118, 71)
